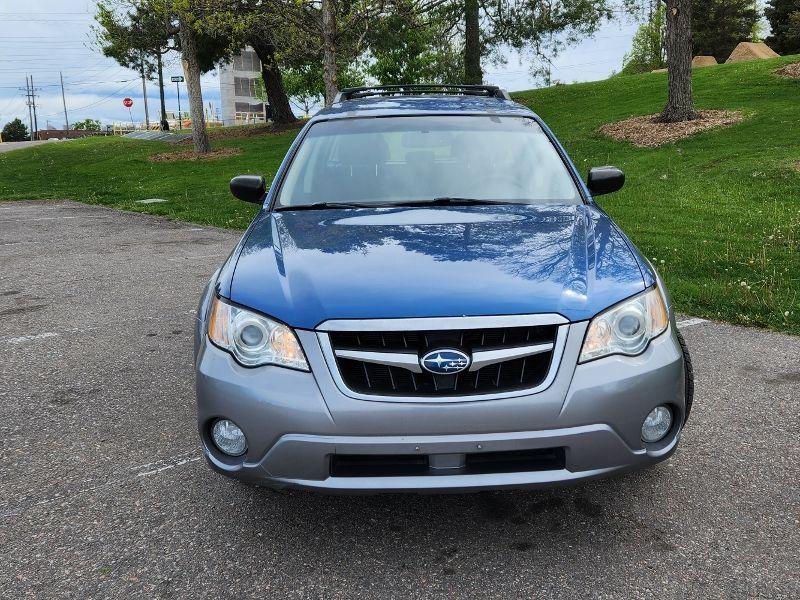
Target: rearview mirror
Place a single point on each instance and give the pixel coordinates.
(605, 180)
(250, 188)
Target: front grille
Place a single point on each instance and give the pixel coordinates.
(515, 374)
(482, 463)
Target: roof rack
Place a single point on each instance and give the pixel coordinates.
(488, 91)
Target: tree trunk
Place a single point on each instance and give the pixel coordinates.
(329, 68)
(680, 106)
(191, 70)
(164, 122)
(273, 81)
(472, 43)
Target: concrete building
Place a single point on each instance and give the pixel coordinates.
(237, 90)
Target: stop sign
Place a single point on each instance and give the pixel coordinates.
(127, 102)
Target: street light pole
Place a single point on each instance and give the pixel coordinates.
(180, 121)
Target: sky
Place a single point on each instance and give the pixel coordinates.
(42, 38)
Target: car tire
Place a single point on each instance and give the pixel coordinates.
(688, 371)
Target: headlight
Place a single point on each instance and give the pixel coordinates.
(626, 328)
(254, 340)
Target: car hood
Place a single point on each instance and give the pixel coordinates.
(305, 267)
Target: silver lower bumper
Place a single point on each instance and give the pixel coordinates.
(302, 461)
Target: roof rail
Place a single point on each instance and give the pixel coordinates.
(489, 91)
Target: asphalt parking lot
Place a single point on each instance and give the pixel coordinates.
(104, 493)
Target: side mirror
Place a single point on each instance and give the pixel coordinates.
(605, 180)
(250, 188)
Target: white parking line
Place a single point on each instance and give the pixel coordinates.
(178, 463)
(29, 338)
(691, 323)
(23, 503)
(38, 219)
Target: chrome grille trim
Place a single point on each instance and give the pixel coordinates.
(440, 323)
(392, 359)
(491, 357)
(450, 323)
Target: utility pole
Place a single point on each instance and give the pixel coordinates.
(28, 102)
(144, 94)
(33, 99)
(64, 100)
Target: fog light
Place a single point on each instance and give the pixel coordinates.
(657, 424)
(229, 438)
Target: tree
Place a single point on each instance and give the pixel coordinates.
(648, 52)
(680, 105)
(408, 46)
(192, 72)
(537, 30)
(719, 25)
(784, 21)
(15, 131)
(254, 23)
(136, 33)
(340, 27)
(306, 85)
(137, 36)
(473, 73)
(87, 124)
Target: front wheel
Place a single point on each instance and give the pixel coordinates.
(688, 375)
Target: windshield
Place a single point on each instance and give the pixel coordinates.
(417, 159)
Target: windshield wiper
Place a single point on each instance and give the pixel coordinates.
(441, 201)
(451, 201)
(468, 201)
(326, 205)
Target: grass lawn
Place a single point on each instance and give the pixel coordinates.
(719, 214)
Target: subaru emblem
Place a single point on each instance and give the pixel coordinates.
(445, 362)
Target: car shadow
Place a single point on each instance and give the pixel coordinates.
(573, 519)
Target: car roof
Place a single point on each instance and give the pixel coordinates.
(426, 104)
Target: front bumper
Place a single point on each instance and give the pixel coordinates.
(295, 422)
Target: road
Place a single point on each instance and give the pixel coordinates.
(104, 494)
(9, 146)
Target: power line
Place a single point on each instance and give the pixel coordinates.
(95, 103)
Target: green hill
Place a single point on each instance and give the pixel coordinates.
(718, 213)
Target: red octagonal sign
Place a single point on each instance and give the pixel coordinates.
(127, 102)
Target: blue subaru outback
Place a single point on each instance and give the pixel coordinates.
(430, 299)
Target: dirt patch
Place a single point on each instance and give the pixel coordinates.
(646, 132)
(792, 71)
(751, 51)
(190, 155)
(703, 61)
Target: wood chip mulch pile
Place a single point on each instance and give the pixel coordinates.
(792, 71)
(646, 132)
(190, 155)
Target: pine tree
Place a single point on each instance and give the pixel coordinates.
(15, 131)
(784, 21)
(719, 25)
